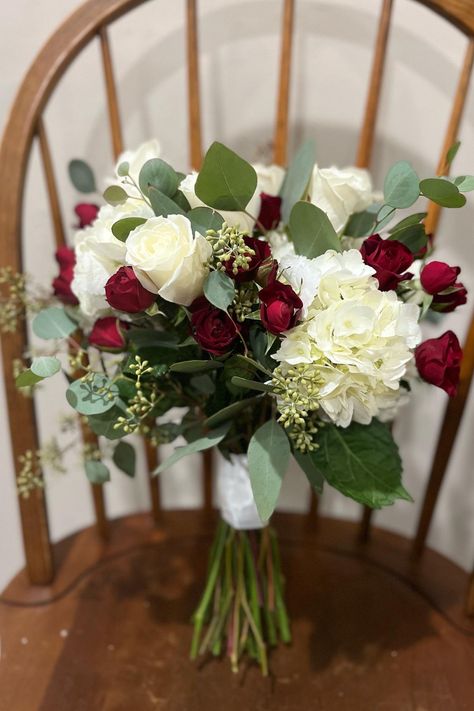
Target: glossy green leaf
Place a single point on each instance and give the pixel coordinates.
(53, 322)
(115, 195)
(311, 231)
(212, 439)
(226, 181)
(298, 175)
(158, 174)
(219, 290)
(268, 457)
(442, 192)
(124, 458)
(122, 228)
(401, 186)
(195, 366)
(45, 366)
(96, 471)
(82, 176)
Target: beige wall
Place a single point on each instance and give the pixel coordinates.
(240, 54)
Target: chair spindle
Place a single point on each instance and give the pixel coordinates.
(112, 99)
(51, 186)
(281, 127)
(194, 108)
(470, 597)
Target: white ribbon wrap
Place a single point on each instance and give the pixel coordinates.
(235, 495)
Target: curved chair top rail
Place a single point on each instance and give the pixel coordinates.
(25, 122)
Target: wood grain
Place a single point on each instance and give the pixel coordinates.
(281, 127)
(112, 98)
(194, 100)
(51, 186)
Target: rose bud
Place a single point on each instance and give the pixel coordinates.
(108, 334)
(87, 213)
(66, 259)
(439, 361)
(280, 307)
(439, 279)
(267, 272)
(261, 252)
(389, 258)
(124, 292)
(270, 211)
(213, 328)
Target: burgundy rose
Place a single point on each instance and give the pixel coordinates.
(124, 292)
(439, 361)
(439, 279)
(280, 307)
(87, 213)
(261, 253)
(390, 258)
(66, 259)
(213, 328)
(270, 211)
(108, 334)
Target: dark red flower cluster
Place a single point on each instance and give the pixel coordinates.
(440, 280)
(280, 307)
(439, 361)
(390, 259)
(213, 328)
(124, 292)
(261, 253)
(108, 334)
(270, 211)
(87, 213)
(66, 259)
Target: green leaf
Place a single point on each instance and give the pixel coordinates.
(123, 169)
(384, 216)
(92, 396)
(226, 181)
(195, 366)
(313, 474)
(103, 424)
(163, 205)
(53, 322)
(401, 186)
(229, 412)
(362, 462)
(451, 154)
(203, 219)
(115, 195)
(96, 471)
(27, 379)
(268, 457)
(45, 366)
(219, 289)
(124, 458)
(413, 236)
(442, 192)
(82, 176)
(122, 228)
(297, 178)
(311, 231)
(181, 200)
(211, 439)
(203, 384)
(408, 221)
(158, 174)
(464, 183)
(251, 384)
(362, 224)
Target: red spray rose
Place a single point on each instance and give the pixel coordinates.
(262, 253)
(66, 259)
(439, 361)
(108, 334)
(87, 213)
(439, 279)
(390, 258)
(213, 328)
(270, 211)
(280, 307)
(124, 292)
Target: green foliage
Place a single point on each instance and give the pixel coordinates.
(311, 231)
(123, 169)
(115, 195)
(268, 457)
(122, 228)
(251, 384)
(442, 192)
(408, 221)
(103, 424)
(212, 439)
(230, 411)
(464, 183)
(195, 366)
(298, 175)
(45, 366)
(162, 205)
(92, 395)
(362, 462)
(82, 176)
(413, 236)
(362, 224)
(27, 379)
(53, 322)
(156, 173)
(204, 219)
(312, 473)
(401, 187)
(452, 151)
(219, 290)
(124, 458)
(96, 471)
(226, 181)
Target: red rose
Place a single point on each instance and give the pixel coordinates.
(87, 213)
(439, 279)
(261, 253)
(389, 258)
(213, 328)
(66, 259)
(107, 334)
(280, 307)
(439, 361)
(124, 292)
(270, 211)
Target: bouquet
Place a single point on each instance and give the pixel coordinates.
(269, 313)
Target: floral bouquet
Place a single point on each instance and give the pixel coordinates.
(280, 312)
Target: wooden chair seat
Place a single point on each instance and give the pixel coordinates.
(371, 630)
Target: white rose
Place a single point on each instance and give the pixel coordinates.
(137, 158)
(168, 260)
(340, 192)
(269, 180)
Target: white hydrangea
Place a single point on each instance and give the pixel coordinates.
(357, 340)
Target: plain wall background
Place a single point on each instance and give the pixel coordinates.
(240, 52)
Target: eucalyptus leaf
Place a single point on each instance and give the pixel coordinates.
(195, 366)
(123, 169)
(203, 384)
(204, 219)
(45, 366)
(268, 457)
(311, 231)
(122, 228)
(401, 187)
(124, 458)
(408, 221)
(163, 205)
(211, 439)
(53, 322)
(412, 236)
(464, 183)
(442, 192)
(156, 173)
(251, 384)
(82, 176)
(362, 224)
(96, 471)
(104, 424)
(219, 290)
(226, 181)
(384, 216)
(229, 412)
(115, 195)
(451, 154)
(92, 395)
(298, 175)
(27, 379)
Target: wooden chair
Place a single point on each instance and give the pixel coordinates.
(100, 621)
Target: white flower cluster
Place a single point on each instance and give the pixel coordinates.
(356, 341)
